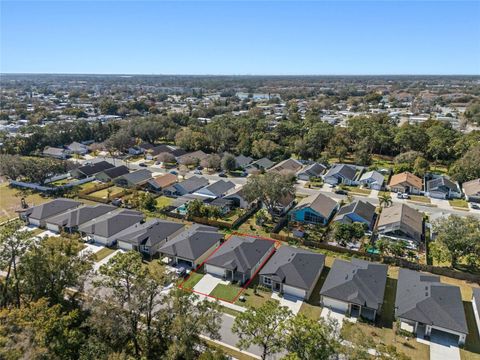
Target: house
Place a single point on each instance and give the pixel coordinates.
(159, 183)
(191, 247)
(90, 169)
(103, 229)
(70, 220)
(312, 171)
(406, 183)
(341, 174)
(148, 237)
(442, 187)
(357, 211)
(242, 161)
(471, 189)
(476, 306)
(217, 189)
(238, 198)
(39, 214)
(400, 221)
(292, 271)
(153, 152)
(259, 165)
(315, 209)
(186, 187)
(425, 305)
(283, 206)
(133, 179)
(77, 148)
(112, 173)
(239, 258)
(372, 180)
(186, 158)
(135, 150)
(355, 287)
(287, 167)
(56, 153)
(224, 205)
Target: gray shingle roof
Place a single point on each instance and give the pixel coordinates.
(422, 297)
(117, 171)
(94, 168)
(80, 215)
(322, 204)
(361, 208)
(441, 182)
(242, 160)
(313, 170)
(294, 267)
(192, 243)
(241, 253)
(375, 175)
(150, 233)
(359, 282)
(476, 298)
(192, 184)
(111, 223)
(52, 208)
(346, 171)
(220, 187)
(137, 177)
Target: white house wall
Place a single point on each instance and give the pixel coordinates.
(214, 270)
(336, 305)
(294, 291)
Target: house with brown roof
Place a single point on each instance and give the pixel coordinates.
(159, 183)
(289, 166)
(471, 189)
(406, 182)
(402, 222)
(315, 209)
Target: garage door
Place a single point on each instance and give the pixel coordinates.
(125, 245)
(52, 227)
(214, 270)
(293, 291)
(335, 305)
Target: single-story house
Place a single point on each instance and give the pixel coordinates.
(442, 187)
(312, 171)
(77, 148)
(288, 166)
(242, 161)
(314, 209)
(224, 205)
(103, 230)
(476, 306)
(471, 189)
(372, 179)
(400, 221)
(424, 304)
(161, 182)
(192, 246)
(90, 169)
(186, 187)
(133, 179)
(341, 174)
(39, 214)
(239, 258)
(56, 153)
(357, 211)
(199, 155)
(217, 189)
(135, 150)
(259, 165)
(153, 152)
(112, 173)
(148, 237)
(355, 287)
(238, 198)
(292, 271)
(406, 182)
(69, 221)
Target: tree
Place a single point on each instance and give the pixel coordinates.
(119, 142)
(229, 163)
(50, 267)
(166, 157)
(265, 148)
(269, 188)
(211, 161)
(14, 243)
(108, 107)
(344, 233)
(385, 200)
(263, 327)
(310, 339)
(456, 238)
(468, 166)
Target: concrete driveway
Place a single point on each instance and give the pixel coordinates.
(207, 283)
(291, 302)
(443, 346)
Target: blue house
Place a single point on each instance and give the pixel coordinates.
(357, 211)
(315, 209)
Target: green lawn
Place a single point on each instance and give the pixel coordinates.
(192, 280)
(163, 201)
(357, 190)
(422, 199)
(102, 254)
(460, 203)
(226, 292)
(226, 350)
(10, 200)
(254, 300)
(103, 194)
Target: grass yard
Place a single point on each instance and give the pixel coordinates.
(421, 199)
(254, 300)
(103, 194)
(460, 203)
(357, 190)
(163, 201)
(192, 280)
(226, 292)
(249, 227)
(102, 254)
(10, 200)
(472, 345)
(228, 351)
(88, 185)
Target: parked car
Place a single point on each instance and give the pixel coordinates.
(173, 172)
(142, 164)
(222, 174)
(341, 192)
(117, 202)
(405, 196)
(475, 206)
(332, 186)
(197, 172)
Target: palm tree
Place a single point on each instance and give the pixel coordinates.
(385, 200)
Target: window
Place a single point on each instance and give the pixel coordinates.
(313, 218)
(267, 280)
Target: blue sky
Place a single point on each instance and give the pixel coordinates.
(246, 37)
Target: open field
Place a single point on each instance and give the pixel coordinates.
(10, 200)
(103, 194)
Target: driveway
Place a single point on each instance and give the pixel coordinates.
(291, 302)
(207, 283)
(105, 260)
(329, 314)
(443, 346)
